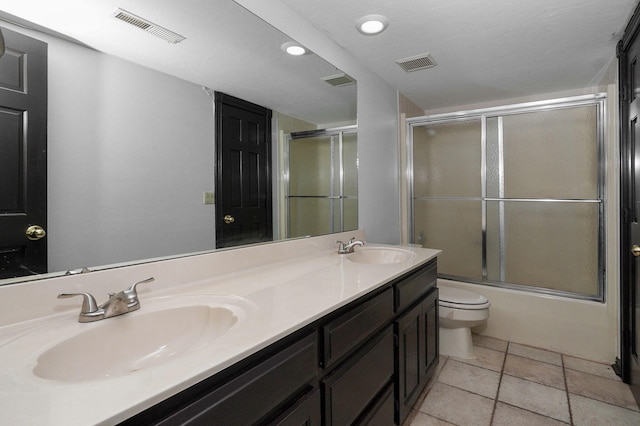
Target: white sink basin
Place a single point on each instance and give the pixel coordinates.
(380, 255)
(139, 340)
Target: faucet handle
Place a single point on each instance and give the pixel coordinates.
(89, 304)
(133, 286)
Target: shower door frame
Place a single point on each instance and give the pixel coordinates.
(332, 132)
(597, 99)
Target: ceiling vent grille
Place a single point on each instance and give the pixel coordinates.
(148, 26)
(416, 63)
(339, 80)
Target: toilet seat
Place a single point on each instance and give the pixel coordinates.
(456, 298)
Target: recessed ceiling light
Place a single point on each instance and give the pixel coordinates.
(294, 49)
(372, 24)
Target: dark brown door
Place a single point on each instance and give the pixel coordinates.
(23, 156)
(243, 177)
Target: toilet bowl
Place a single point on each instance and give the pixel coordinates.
(458, 311)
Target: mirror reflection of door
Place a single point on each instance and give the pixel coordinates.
(23, 156)
(629, 54)
(243, 172)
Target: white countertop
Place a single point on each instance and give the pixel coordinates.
(277, 299)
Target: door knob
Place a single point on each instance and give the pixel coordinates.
(635, 250)
(35, 232)
(230, 219)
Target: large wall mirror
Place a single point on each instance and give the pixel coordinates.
(130, 127)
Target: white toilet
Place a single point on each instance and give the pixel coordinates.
(458, 311)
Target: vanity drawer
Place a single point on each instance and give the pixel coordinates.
(410, 289)
(351, 388)
(353, 328)
(307, 412)
(381, 413)
(257, 394)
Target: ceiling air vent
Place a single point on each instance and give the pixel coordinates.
(416, 63)
(339, 80)
(148, 26)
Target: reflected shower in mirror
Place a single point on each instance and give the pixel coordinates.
(322, 194)
(130, 146)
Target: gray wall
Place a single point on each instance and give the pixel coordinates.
(130, 152)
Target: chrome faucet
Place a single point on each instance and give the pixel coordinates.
(348, 247)
(118, 303)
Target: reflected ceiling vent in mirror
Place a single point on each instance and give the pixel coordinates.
(416, 63)
(339, 80)
(148, 26)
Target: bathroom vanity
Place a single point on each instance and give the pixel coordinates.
(341, 367)
(315, 338)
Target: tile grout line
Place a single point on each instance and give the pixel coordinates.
(502, 374)
(495, 400)
(566, 389)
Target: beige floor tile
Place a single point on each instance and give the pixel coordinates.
(588, 412)
(535, 353)
(490, 342)
(535, 371)
(507, 415)
(534, 397)
(471, 378)
(422, 419)
(457, 406)
(600, 388)
(603, 370)
(485, 358)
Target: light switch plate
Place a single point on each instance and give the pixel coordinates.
(208, 198)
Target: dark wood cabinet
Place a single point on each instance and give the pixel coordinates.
(416, 333)
(255, 396)
(353, 387)
(381, 411)
(351, 329)
(307, 412)
(414, 286)
(364, 364)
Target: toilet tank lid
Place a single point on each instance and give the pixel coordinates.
(459, 296)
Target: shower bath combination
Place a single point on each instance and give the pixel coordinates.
(321, 188)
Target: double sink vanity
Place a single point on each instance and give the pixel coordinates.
(283, 333)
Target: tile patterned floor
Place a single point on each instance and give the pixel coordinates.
(510, 384)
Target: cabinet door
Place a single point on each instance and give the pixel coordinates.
(417, 352)
(431, 324)
(409, 331)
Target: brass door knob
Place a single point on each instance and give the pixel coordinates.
(635, 250)
(35, 232)
(229, 219)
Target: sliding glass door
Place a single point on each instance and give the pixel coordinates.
(322, 170)
(514, 197)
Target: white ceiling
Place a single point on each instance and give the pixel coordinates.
(485, 49)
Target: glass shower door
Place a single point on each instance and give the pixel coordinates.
(514, 197)
(323, 187)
